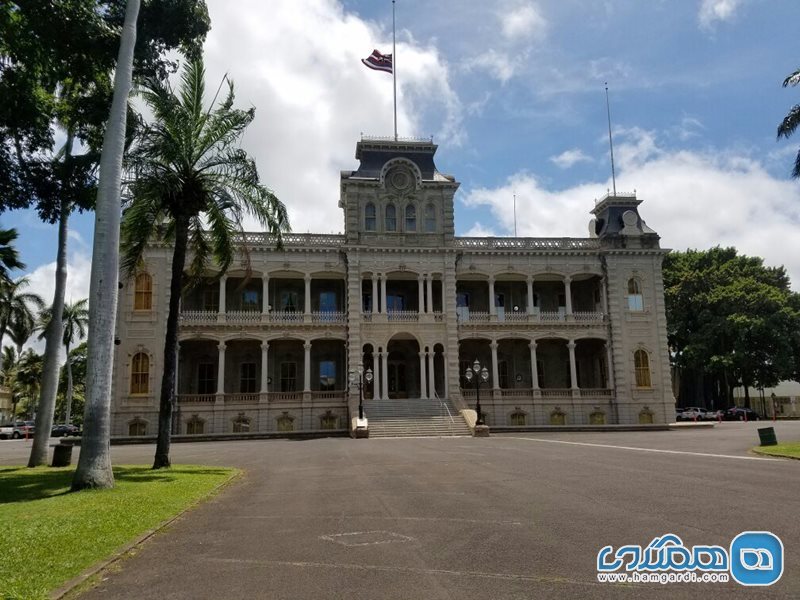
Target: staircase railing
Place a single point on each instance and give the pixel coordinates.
(444, 408)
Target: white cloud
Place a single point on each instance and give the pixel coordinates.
(712, 11)
(499, 65)
(480, 230)
(691, 198)
(568, 158)
(299, 63)
(522, 21)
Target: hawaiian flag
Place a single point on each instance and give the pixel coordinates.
(378, 61)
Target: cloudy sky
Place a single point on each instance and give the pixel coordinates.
(512, 91)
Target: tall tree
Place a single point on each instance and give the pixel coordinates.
(17, 305)
(731, 321)
(75, 321)
(94, 465)
(27, 379)
(791, 121)
(187, 169)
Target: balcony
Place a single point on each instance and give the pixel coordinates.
(482, 317)
(256, 318)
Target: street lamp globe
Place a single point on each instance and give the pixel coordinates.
(469, 374)
(484, 374)
(368, 375)
(476, 366)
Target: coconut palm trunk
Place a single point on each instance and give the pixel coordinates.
(161, 459)
(55, 330)
(68, 366)
(94, 466)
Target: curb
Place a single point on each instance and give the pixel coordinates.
(755, 450)
(120, 553)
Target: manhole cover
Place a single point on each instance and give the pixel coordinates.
(366, 538)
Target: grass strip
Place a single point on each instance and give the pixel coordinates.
(50, 535)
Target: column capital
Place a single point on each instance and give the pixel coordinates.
(264, 346)
(571, 344)
(567, 279)
(223, 276)
(494, 344)
(307, 345)
(221, 346)
(532, 344)
(307, 276)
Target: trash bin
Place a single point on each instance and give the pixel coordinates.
(766, 436)
(62, 454)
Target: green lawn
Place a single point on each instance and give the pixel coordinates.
(791, 450)
(50, 535)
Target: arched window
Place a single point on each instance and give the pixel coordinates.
(241, 424)
(411, 218)
(635, 301)
(195, 426)
(430, 219)
(518, 419)
(140, 373)
(641, 361)
(369, 217)
(391, 218)
(285, 422)
(137, 427)
(143, 292)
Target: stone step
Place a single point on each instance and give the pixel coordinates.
(414, 417)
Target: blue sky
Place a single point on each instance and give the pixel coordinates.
(512, 92)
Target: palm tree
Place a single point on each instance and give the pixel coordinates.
(20, 332)
(791, 120)
(9, 258)
(28, 376)
(76, 320)
(17, 306)
(187, 171)
(94, 465)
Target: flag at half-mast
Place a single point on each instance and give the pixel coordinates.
(378, 61)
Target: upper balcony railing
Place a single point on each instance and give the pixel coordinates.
(473, 317)
(255, 317)
(259, 238)
(509, 243)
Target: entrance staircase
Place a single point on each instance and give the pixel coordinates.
(414, 417)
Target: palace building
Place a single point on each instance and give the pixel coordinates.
(570, 330)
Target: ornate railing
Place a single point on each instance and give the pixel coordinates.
(286, 316)
(595, 393)
(514, 317)
(403, 315)
(438, 316)
(199, 316)
(478, 316)
(196, 398)
(285, 396)
(257, 238)
(243, 316)
(327, 317)
(366, 317)
(556, 393)
(587, 316)
(241, 398)
(551, 316)
(328, 395)
(497, 243)
(516, 393)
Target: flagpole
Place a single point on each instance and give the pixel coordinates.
(610, 143)
(394, 71)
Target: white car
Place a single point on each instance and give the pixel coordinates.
(6, 431)
(692, 413)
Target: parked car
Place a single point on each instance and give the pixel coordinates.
(715, 415)
(6, 431)
(23, 429)
(62, 430)
(741, 414)
(692, 413)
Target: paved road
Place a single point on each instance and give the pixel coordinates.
(511, 516)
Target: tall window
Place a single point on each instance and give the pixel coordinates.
(210, 298)
(143, 292)
(635, 301)
(140, 373)
(250, 300)
(411, 218)
(391, 218)
(206, 378)
(641, 362)
(195, 426)
(288, 376)
(327, 375)
(247, 378)
(430, 219)
(369, 217)
(290, 301)
(137, 427)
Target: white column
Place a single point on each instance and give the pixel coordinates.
(430, 293)
(423, 391)
(603, 296)
(264, 366)
(307, 309)
(307, 367)
(385, 382)
(495, 377)
(377, 360)
(222, 301)
(492, 308)
(421, 294)
(375, 305)
(265, 294)
(529, 308)
(431, 377)
(534, 367)
(609, 366)
(221, 368)
(573, 372)
(568, 294)
(383, 292)
(446, 383)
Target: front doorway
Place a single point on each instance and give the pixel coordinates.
(397, 379)
(403, 375)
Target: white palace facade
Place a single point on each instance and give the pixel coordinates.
(572, 331)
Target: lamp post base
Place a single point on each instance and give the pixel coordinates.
(481, 431)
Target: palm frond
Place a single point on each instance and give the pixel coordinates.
(790, 122)
(792, 79)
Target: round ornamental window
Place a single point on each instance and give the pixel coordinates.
(400, 180)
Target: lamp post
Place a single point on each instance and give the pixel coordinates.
(479, 375)
(357, 377)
